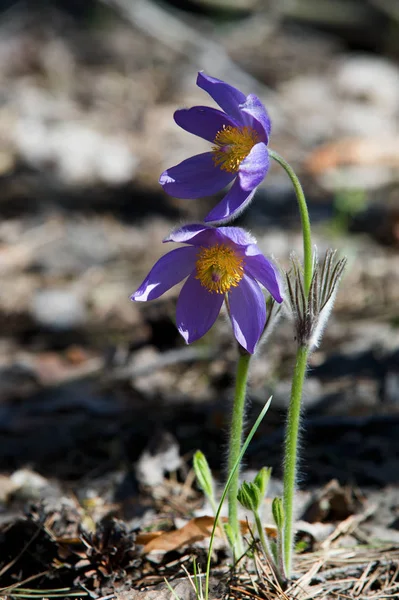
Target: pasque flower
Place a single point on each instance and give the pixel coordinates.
(221, 265)
(239, 134)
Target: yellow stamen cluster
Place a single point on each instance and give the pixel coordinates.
(219, 268)
(233, 144)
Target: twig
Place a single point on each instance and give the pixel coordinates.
(348, 525)
(14, 586)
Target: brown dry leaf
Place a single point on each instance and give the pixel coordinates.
(52, 368)
(195, 530)
(76, 355)
(354, 151)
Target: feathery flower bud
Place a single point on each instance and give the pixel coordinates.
(311, 313)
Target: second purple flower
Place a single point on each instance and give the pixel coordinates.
(239, 134)
(221, 264)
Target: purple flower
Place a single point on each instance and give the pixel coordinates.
(239, 136)
(221, 264)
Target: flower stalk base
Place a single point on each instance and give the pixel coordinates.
(235, 441)
(291, 454)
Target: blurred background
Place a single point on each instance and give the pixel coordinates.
(91, 382)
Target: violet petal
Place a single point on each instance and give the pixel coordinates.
(196, 234)
(237, 235)
(196, 310)
(256, 116)
(227, 96)
(247, 312)
(169, 270)
(203, 121)
(254, 167)
(195, 177)
(264, 271)
(232, 204)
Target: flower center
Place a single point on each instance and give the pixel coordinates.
(233, 144)
(219, 268)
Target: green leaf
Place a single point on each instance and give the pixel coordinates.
(249, 496)
(278, 513)
(262, 479)
(203, 474)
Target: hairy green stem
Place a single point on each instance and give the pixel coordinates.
(267, 550)
(245, 445)
(303, 209)
(291, 452)
(235, 441)
(294, 410)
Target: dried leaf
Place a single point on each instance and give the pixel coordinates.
(195, 530)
